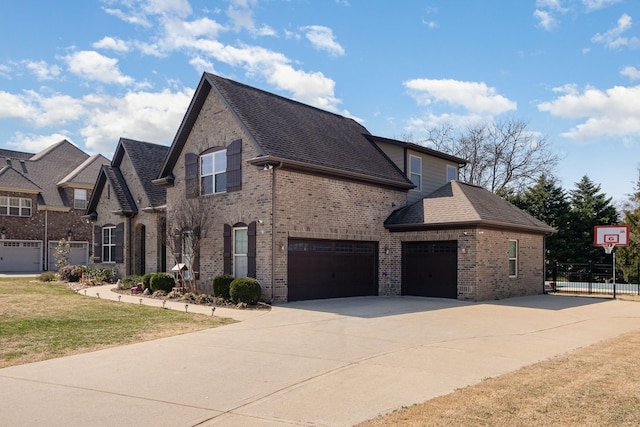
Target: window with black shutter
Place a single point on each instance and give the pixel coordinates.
(234, 166)
(191, 175)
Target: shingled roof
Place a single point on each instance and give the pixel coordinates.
(461, 205)
(292, 133)
(146, 159)
(46, 172)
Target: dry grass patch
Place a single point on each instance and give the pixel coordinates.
(593, 386)
(41, 321)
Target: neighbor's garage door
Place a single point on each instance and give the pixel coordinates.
(20, 256)
(331, 269)
(430, 269)
(78, 255)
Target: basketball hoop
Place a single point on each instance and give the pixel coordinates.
(608, 248)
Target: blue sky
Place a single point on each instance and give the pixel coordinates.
(93, 71)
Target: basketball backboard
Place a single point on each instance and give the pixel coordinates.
(617, 235)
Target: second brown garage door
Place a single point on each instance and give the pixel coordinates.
(331, 269)
(430, 269)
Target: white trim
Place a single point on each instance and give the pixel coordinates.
(239, 255)
(412, 172)
(513, 259)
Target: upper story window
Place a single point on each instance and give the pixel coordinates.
(415, 171)
(109, 244)
(15, 206)
(513, 258)
(213, 172)
(452, 173)
(79, 198)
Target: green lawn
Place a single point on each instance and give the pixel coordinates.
(41, 321)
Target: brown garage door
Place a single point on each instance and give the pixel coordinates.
(430, 269)
(331, 269)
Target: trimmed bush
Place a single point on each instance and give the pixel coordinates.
(47, 276)
(146, 280)
(222, 285)
(129, 282)
(204, 299)
(162, 282)
(70, 273)
(245, 290)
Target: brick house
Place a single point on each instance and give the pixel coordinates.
(314, 206)
(42, 199)
(126, 211)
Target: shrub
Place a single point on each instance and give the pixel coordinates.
(188, 297)
(70, 273)
(129, 282)
(158, 294)
(162, 281)
(47, 276)
(245, 290)
(98, 274)
(146, 280)
(174, 294)
(222, 285)
(204, 299)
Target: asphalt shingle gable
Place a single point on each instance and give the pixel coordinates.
(147, 159)
(457, 204)
(288, 129)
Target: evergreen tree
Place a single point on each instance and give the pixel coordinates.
(547, 201)
(628, 257)
(590, 207)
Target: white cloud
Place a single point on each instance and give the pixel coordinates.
(613, 39)
(241, 17)
(545, 19)
(201, 64)
(476, 98)
(311, 88)
(42, 70)
(111, 44)
(39, 110)
(598, 4)
(147, 116)
(632, 72)
(91, 65)
(613, 112)
(322, 38)
(32, 143)
(136, 18)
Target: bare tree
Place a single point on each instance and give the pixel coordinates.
(501, 156)
(186, 227)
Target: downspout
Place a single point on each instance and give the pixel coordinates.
(273, 230)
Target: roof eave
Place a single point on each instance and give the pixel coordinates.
(309, 167)
(470, 224)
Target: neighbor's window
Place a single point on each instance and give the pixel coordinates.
(415, 171)
(240, 252)
(213, 172)
(79, 198)
(452, 173)
(15, 206)
(513, 258)
(109, 244)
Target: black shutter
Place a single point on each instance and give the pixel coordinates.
(251, 250)
(227, 249)
(191, 175)
(234, 166)
(119, 256)
(97, 244)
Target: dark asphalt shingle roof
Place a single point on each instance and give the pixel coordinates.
(59, 164)
(119, 189)
(460, 204)
(292, 131)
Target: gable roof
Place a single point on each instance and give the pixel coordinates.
(419, 148)
(294, 134)
(459, 205)
(61, 164)
(146, 159)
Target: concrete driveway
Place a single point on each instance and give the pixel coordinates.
(315, 363)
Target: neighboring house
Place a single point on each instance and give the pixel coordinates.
(42, 199)
(314, 206)
(126, 211)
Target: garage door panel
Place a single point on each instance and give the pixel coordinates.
(430, 269)
(331, 269)
(20, 256)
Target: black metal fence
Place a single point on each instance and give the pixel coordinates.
(591, 278)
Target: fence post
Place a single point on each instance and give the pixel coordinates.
(590, 274)
(555, 276)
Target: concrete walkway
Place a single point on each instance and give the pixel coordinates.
(314, 363)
